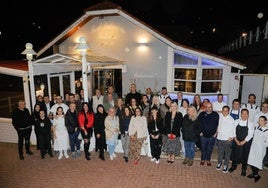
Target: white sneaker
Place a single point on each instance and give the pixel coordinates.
(60, 156)
(65, 154)
(157, 161)
(114, 155)
(152, 159)
(111, 157)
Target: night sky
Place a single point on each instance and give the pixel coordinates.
(203, 24)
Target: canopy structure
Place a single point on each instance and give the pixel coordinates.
(58, 63)
(55, 64)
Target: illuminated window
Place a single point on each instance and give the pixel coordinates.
(208, 62)
(181, 58)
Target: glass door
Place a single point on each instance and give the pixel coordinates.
(106, 77)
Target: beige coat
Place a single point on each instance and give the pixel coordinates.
(111, 127)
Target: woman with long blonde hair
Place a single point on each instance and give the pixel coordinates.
(190, 131)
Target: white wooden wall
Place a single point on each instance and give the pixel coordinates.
(7, 131)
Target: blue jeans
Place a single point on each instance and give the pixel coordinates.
(111, 149)
(189, 149)
(207, 145)
(74, 141)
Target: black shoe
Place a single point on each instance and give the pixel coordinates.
(42, 157)
(50, 154)
(29, 152)
(88, 157)
(250, 176)
(126, 159)
(243, 173)
(232, 169)
(102, 157)
(257, 178)
(21, 157)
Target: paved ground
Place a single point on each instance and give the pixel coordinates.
(34, 172)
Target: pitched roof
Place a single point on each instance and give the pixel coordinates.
(107, 8)
(14, 68)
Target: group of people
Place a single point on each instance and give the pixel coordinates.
(173, 126)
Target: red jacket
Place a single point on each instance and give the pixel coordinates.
(81, 120)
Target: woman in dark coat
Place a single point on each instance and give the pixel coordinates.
(190, 132)
(35, 116)
(173, 121)
(99, 130)
(155, 128)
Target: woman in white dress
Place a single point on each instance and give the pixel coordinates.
(258, 148)
(60, 133)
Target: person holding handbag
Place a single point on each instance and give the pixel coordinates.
(173, 124)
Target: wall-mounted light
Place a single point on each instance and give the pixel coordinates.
(143, 47)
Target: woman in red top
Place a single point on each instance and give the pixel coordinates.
(86, 122)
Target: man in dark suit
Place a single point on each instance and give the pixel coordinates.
(179, 99)
(149, 94)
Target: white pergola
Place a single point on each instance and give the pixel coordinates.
(59, 65)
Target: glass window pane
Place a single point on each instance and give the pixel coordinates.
(185, 74)
(66, 83)
(40, 84)
(181, 58)
(210, 87)
(212, 74)
(209, 62)
(184, 86)
(55, 86)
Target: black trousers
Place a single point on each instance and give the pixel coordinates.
(44, 143)
(101, 144)
(240, 155)
(156, 145)
(24, 136)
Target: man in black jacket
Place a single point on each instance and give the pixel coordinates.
(71, 123)
(22, 122)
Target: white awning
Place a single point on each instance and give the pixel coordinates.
(58, 63)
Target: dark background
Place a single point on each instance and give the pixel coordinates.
(188, 22)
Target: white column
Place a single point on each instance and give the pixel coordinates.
(84, 75)
(61, 86)
(49, 87)
(32, 88)
(72, 82)
(26, 92)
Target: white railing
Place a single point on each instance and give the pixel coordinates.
(246, 39)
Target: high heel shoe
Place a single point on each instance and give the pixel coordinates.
(257, 178)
